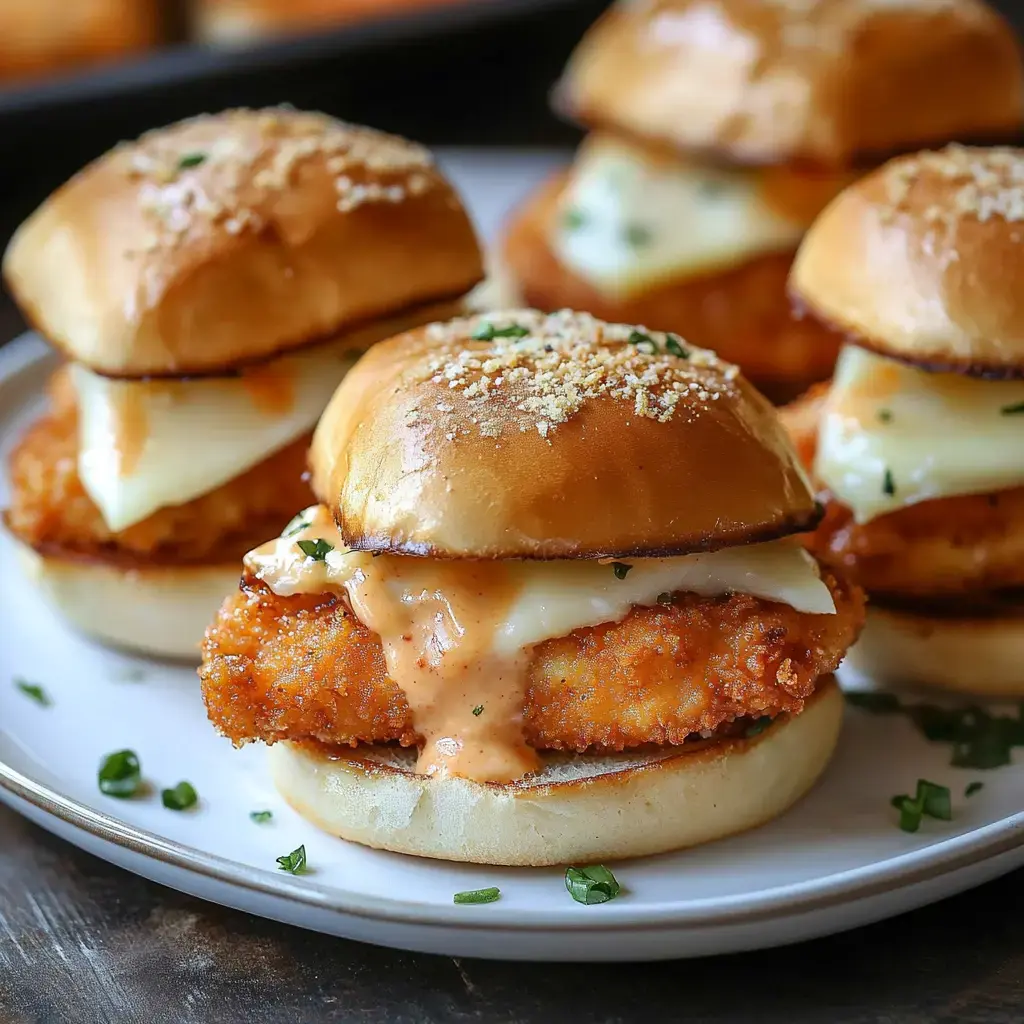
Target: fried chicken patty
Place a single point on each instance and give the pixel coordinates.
(948, 546)
(742, 312)
(295, 668)
(51, 512)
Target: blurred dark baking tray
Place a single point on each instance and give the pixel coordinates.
(475, 72)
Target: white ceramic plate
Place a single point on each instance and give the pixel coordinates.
(835, 861)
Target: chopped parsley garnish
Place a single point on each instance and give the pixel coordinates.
(191, 160)
(574, 219)
(931, 801)
(478, 895)
(674, 346)
(1016, 409)
(885, 415)
(297, 524)
(757, 726)
(621, 570)
(644, 342)
(180, 798)
(317, 549)
(260, 817)
(980, 739)
(974, 787)
(478, 710)
(120, 774)
(488, 332)
(295, 862)
(888, 484)
(664, 598)
(33, 691)
(594, 884)
(637, 235)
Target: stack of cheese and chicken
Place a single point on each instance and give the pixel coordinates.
(209, 284)
(553, 555)
(720, 129)
(918, 444)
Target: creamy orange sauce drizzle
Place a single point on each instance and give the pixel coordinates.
(465, 693)
(130, 426)
(271, 388)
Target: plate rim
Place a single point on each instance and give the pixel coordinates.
(912, 868)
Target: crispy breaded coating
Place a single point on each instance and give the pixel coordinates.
(295, 668)
(741, 312)
(966, 544)
(51, 511)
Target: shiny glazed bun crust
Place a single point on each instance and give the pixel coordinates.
(923, 261)
(228, 238)
(766, 81)
(552, 437)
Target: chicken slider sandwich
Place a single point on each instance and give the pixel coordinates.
(719, 130)
(209, 285)
(918, 444)
(548, 608)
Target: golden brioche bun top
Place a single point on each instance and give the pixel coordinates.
(923, 260)
(767, 81)
(520, 435)
(230, 237)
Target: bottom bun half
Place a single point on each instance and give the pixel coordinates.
(161, 611)
(579, 809)
(982, 656)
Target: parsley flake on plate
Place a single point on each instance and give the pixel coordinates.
(33, 691)
(931, 801)
(180, 798)
(471, 896)
(120, 775)
(261, 817)
(295, 862)
(590, 885)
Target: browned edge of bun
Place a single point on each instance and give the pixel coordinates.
(832, 81)
(921, 261)
(235, 236)
(561, 439)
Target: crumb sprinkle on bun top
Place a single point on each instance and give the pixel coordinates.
(524, 435)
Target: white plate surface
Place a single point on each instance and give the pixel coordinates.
(835, 861)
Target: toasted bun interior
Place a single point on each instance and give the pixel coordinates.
(922, 261)
(560, 436)
(161, 611)
(826, 80)
(579, 809)
(982, 656)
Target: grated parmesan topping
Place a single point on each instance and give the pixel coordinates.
(987, 183)
(544, 377)
(225, 168)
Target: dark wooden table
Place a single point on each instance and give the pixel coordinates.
(84, 942)
(81, 941)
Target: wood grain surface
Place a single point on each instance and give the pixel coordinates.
(83, 942)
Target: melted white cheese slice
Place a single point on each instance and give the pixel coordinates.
(548, 599)
(892, 435)
(144, 445)
(628, 222)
